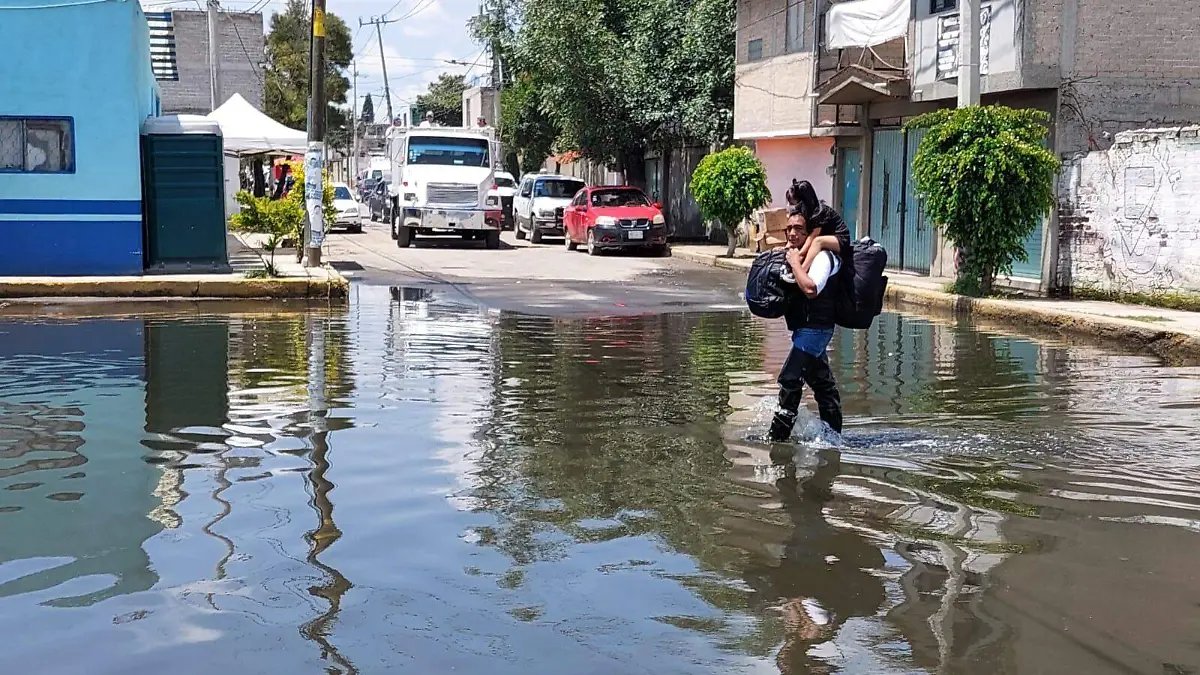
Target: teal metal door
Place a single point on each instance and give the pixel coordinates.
(887, 192)
(917, 254)
(850, 161)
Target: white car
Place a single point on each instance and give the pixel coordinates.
(539, 204)
(504, 189)
(349, 215)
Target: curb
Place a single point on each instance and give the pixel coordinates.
(1176, 347)
(333, 286)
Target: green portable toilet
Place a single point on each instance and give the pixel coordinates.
(183, 179)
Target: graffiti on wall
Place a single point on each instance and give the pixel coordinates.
(1130, 215)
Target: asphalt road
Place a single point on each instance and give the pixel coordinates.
(543, 279)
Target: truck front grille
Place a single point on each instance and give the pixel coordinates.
(452, 194)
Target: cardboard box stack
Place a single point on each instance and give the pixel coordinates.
(768, 229)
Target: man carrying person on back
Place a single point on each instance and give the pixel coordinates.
(811, 321)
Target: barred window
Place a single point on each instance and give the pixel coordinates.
(37, 145)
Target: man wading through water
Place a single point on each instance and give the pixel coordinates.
(811, 318)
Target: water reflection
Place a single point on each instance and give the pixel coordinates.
(419, 483)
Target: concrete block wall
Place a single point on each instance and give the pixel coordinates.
(1129, 216)
(1121, 66)
(241, 49)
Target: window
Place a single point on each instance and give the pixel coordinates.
(617, 198)
(341, 192)
(527, 187)
(37, 145)
(504, 182)
(580, 199)
(754, 50)
(939, 6)
(557, 189)
(795, 25)
(448, 151)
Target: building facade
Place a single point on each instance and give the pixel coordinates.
(180, 39)
(1096, 67)
(76, 87)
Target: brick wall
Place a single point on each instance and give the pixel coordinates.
(1123, 65)
(240, 46)
(1129, 216)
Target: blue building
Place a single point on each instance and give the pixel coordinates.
(75, 86)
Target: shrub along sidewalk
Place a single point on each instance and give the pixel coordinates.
(1169, 333)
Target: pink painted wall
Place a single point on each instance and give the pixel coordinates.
(799, 158)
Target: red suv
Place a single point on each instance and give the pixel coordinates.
(614, 217)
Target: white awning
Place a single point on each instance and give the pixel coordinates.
(865, 23)
(247, 131)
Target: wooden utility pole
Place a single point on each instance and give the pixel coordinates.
(354, 122)
(314, 159)
(379, 22)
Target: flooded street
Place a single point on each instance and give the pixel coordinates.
(418, 484)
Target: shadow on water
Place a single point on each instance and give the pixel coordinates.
(518, 494)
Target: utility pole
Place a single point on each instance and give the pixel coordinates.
(968, 53)
(354, 121)
(314, 159)
(214, 64)
(379, 22)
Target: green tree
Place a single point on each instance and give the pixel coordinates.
(368, 111)
(444, 99)
(987, 180)
(525, 128)
(285, 91)
(728, 187)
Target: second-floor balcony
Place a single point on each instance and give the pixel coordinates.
(863, 55)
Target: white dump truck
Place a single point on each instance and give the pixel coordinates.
(441, 177)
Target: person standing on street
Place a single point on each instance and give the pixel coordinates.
(811, 321)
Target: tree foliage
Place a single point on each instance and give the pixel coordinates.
(368, 111)
(987, 179)
(729, 186)
(444, 99)
(285, 91)
(612, 79)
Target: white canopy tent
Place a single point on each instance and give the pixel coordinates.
(248, 131)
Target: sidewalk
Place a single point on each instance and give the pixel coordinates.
(296, 281)
(1171, 334)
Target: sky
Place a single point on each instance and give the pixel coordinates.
(425, 35)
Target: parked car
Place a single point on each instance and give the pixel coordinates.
(610, 218)
(501, 195)
(379, 203)
(348, 214)
(538, 206)
(365, 188)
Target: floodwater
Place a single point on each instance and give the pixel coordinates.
(410, 485)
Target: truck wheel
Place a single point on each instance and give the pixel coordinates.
(492, 240)
(393, 226)
(403, 236)
(519, 231)
(535, 235)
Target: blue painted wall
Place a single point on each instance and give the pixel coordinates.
(89, 60)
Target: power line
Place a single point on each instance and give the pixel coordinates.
(254, 66)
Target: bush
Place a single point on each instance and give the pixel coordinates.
(987, 180)
(297, 194)
(278, 219)
(728, 186)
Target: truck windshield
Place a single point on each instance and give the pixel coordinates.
(448, 151)
(560, 189)
(341, 192)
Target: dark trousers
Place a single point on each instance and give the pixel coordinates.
(803, 368)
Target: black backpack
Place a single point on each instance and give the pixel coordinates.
(862, 300)
(767, 294)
